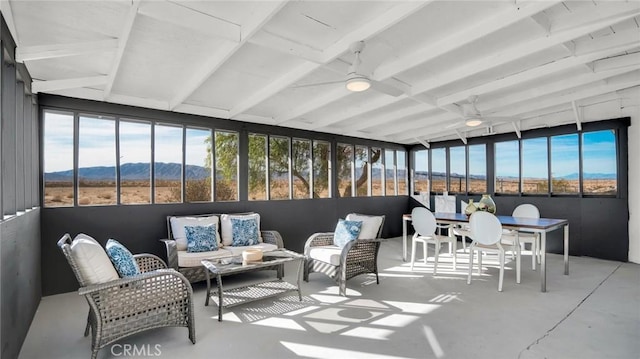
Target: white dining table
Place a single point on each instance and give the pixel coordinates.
(532, 225)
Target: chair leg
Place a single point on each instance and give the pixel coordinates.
(480, 253)
(413, 253)
(464, 244)
(455, 253)
(501, 278)
(88, 327)
(470, 264)
(518, 264)
(435, 257)
(425, 252)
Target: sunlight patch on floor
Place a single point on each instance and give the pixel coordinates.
(433, 341)
(326, 328)
(412, 307)
(396, 320)
(318, 352)
(282, 323)
(369, 333)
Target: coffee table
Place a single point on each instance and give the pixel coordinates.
(225, 298)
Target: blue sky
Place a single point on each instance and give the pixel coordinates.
(97, 148)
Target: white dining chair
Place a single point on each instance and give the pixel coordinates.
(486, 232)
(525, 210)
(445, 204)
(424, 223)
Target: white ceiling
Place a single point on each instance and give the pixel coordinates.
(532, 63)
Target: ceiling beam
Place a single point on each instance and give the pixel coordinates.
(474, 32)
(599, 50)
(577, 115)
(394, 15)
(272, 41)
(353, 111)
(7, 13)
(53, 85)
(224, 53)
(617, 62)
(463, 138)
(122, 44)
(522, 50)
(181, 15)
(450, 43)
(381, 118)
(516, 129)
(41, 52)
(423, 142)
(548, 100)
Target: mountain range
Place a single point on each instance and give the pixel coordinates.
(172, 171)
(131, 172)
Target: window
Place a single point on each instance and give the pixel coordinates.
(58, 159)
(438, 170)
(96, 161)
(599, 163)
(457, 169)
(257, 167)
(344, 159)
(535, 170)
(168, 164)
(301, 168)
(390, 172)
(420, 171)
(279, 168)
(401, 164)
(321, 169)
(507, 160)
(565, 164)
(135, 162)
(198, 165)
(226, 166)
(362, 171)
(478, 168)
(377, 178)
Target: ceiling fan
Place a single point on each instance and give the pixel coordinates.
(356, 81)
(471, 116)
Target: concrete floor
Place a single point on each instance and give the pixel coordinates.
(592, 313)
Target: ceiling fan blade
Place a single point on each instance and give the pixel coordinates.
(454, 125)
(387, 89)
(319, 84)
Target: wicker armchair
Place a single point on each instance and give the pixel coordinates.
(357, 257)
(198, 274)
(158, 297)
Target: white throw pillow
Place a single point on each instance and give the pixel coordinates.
(227, 229)
(180, 236)
(92, 260)
(370, 225)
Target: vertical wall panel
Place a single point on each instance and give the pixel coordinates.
(8, 137)
(28, 147)
(19, 141)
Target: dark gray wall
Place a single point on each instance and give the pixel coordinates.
(20, 291)
(598, 227)
(139, 227)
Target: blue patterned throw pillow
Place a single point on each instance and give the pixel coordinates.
(244, 232)
(201, 238)
(122, 259)
(346, 231)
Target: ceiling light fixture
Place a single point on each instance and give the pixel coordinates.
(473, 122)
(358, 84)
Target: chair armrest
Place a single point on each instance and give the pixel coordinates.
(158, 277)
(149, 262)
(318, 239)
(272, 237)
(172, 253)
(360, 249)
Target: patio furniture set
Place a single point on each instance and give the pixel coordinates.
(128, 294)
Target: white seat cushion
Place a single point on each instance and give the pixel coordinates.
(179, 235)
(265, 247)
(186, 259)
(370, 225)
(327, 254)
(92, 260)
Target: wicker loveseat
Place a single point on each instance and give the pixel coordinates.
(189, 264)
(157, 297)
(357, 257)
